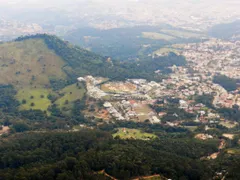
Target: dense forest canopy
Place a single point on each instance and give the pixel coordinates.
(81, 155)
(228, 83)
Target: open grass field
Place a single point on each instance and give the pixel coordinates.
(125, 133)
(35, 99)
(143, 111)
(233, 151)
(191, 128)
(70, 94)
(157, 36)
(29, 63)
(166, 50)
(119, 87)
(228, 124)
(182, 33)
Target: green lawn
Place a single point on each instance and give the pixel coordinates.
(191, 128)
(133, 134)
(166, 50)
(70, 94)
(35, 99)
(233, 151)
(157, 36)
(228, 124)
(182, 33)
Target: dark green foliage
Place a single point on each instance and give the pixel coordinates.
(206, 99)
(7, 101)
(60, 84)
(80, 155)
(24, 101)
(20, 127)
(33, 115)
(230, 113)
(78, 107)
(66, 102)
(55, 111)
(228, 83)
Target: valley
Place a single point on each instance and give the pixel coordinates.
(180, 104)
(119, 89)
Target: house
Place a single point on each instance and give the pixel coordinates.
(183, 104)
(155, 120)
(81, 79)
(107, 105)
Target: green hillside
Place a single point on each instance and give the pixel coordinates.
(29, 63)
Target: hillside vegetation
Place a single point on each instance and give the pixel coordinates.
(29, 63)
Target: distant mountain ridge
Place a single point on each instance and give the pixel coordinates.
(226, 31)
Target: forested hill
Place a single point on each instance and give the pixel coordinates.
(80, 62)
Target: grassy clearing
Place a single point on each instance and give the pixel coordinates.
(157, 36)
(36, 99)
(28, 64)
(182, 33)
(191, 128)
(125, 133)
(228, 124)
(143, 111)
(166, 50)
(233, 151)
(118, 87)
(70, 94)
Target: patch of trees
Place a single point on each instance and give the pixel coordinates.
(230, 113)
(7, 101)
(227, 83)
(80, 155)
(147, 127)
(206, 99)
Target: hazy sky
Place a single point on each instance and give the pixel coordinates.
(177, 12)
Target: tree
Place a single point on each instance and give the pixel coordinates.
(20, 127)
(66, 102)
(24, 101)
